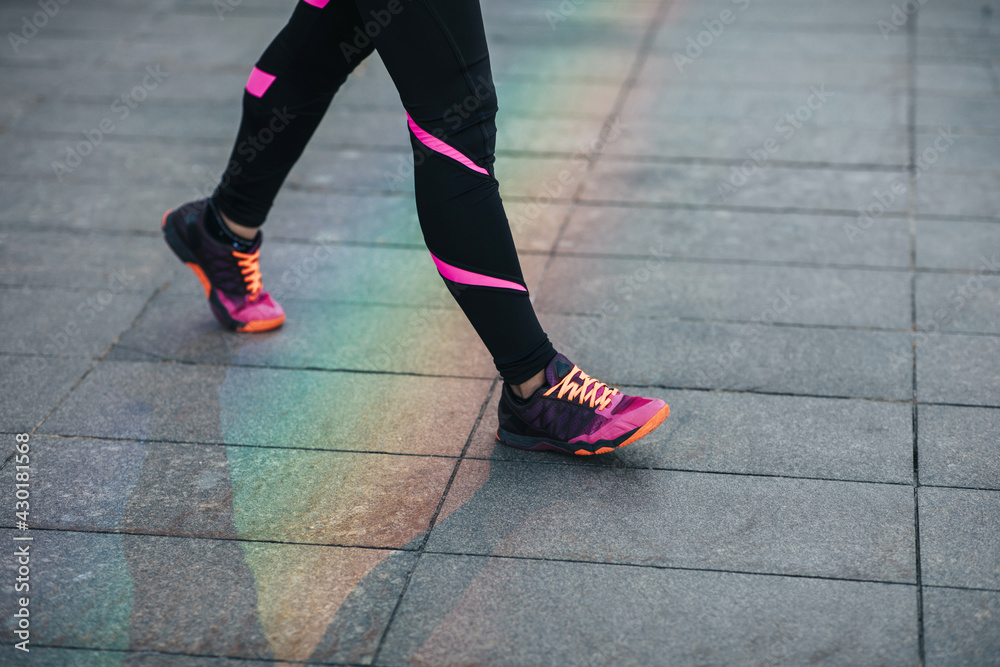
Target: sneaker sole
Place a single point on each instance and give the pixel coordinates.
(600, 447)
(184, 253)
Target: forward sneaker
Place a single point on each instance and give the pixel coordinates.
(231, 278)
(574, 413)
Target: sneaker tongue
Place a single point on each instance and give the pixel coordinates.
(557, 369)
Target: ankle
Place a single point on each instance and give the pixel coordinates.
(248, 233)
(530, 386)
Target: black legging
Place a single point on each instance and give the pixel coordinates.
(436, 53)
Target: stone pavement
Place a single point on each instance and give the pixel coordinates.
(781, 216)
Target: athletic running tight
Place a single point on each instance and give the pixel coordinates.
(436, 53)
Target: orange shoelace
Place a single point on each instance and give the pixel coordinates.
(250, 268)
(583, 391)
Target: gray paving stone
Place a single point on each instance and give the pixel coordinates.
(736, 235)
(960, 47)
(501, 611)
(781, 45)
(156, 116)
(960, 627)
(73, 491)
(953, 368)
(97, 22)
(851, 16)
(958, 302)
(964, 16)
(205, 596)
(33, 386)
(958, 446)
(959, 539)
(754, 434)
(944, 150)
(102, 84)
(222, 405)
(49, 50)
(317, 334)
(739, 356)
(739, 139)
(557, 133)
(622, 22)
(648, 517)
(953, 77)
(115, 162)
(964, 112)
(753, 70)
(49, 204)
(971, 193)
(242, 47)
(80, 590)
(580, 62)
(280, 495)
(64, 323)
(94, 262)
(249, 18)
(334, 216)
(882, 109)
(769, 186)
(73, 657)
(250, 8)
(958, 245)
(631, 288)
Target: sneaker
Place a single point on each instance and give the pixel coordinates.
(575, 414)
(231, 278)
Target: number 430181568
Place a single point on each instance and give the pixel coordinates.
(22, 479)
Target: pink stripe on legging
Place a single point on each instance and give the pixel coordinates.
(259, 82)
(457, 275)
(439, 146)
(317, 3)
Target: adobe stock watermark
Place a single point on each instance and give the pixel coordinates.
(249, 148)
(785, 128)
(122, 107)
(563, 11)
(223, 7)
(714, 28)
(363, 35)
(898, 17)
(884, 199)
(31, 26)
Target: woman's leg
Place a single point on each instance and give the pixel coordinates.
(436, 53)
(286, 96)
(437, 56)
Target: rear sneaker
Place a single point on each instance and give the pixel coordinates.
(575, 414)
(231, 278)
